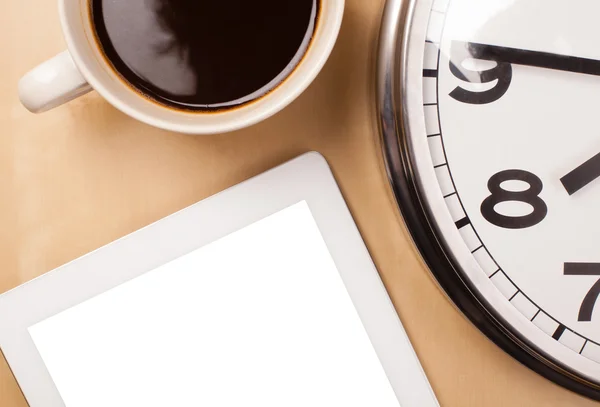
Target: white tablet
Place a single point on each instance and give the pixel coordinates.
(263, 295)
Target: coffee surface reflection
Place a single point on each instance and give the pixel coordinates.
(204, 54)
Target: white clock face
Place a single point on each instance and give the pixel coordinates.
(511, 104)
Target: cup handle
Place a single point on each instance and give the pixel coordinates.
(51, 84)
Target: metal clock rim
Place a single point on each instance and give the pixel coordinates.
(392, 110)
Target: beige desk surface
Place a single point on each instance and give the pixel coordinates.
(83, 175)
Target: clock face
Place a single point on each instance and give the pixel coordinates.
(503, 105)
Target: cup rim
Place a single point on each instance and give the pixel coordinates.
(326, 34)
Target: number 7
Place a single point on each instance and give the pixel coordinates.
(585, 269)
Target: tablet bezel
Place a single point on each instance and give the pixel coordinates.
(306, 178)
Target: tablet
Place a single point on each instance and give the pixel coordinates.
(262, 295)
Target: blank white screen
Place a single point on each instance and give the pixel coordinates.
(258, 318)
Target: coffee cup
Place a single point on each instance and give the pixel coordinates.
(87, 65)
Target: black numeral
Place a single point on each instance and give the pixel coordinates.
(502, 72)
(589, 301)
(529, 196)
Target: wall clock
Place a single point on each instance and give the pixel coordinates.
(489, 114)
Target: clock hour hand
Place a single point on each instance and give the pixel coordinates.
(582, 175)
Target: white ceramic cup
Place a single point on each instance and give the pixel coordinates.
(83, 68)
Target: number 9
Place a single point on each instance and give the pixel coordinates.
(502, 72)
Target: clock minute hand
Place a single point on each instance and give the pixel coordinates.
(582, 175)
(537, 59)
(589, 170)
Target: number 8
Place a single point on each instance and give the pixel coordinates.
(529, 196)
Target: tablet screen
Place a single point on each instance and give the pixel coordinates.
(258, 318)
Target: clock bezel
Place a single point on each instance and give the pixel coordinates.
(421, 202)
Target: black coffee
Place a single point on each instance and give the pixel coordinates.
(204, 54)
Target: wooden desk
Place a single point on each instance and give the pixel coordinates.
(83, 175)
